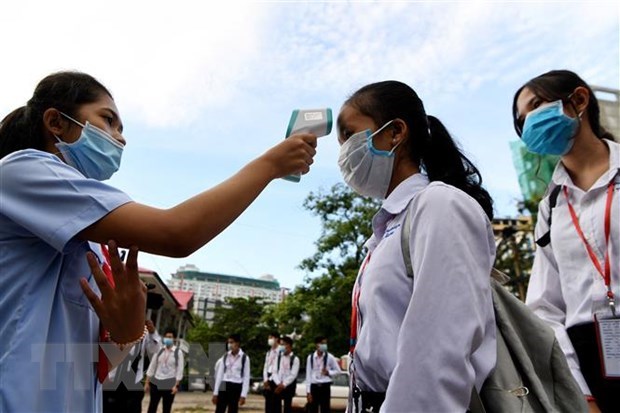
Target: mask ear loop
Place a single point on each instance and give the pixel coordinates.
(71, 119)
(398, 144)
(370, 138)
(570, 101)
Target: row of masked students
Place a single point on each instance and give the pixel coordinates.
(155, 361)
(281, 369)
(420, 343)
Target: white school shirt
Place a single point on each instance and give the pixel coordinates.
(426, 342)
(270, 359)
(136, 349)
(314, 369)
(165, 367)
(233, 372)
(50, 332)
(565, 289)
(153, 343)
(286, 374)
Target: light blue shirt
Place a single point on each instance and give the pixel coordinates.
(48, 330)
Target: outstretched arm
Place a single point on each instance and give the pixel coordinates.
(181, 230)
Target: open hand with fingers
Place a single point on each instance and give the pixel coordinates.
(122, 306)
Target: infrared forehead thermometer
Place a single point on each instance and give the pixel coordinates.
(316, 121)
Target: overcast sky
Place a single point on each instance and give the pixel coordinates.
(204, 87)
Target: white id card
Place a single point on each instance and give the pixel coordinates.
(608, 336)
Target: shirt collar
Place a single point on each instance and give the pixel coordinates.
(397, 201)
(561, 177)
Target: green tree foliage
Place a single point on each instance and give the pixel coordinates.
(241, 316)
(515, 256)
(322, 306)
(516, 247)
(200, 333)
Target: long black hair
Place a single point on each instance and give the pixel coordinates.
(430, 144)
(558, 85)
(65, 91)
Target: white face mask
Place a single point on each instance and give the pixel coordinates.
(364, 168)
(271, 342)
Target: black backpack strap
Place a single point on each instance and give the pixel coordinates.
(176, 357)
(325, 360)
(279, 358)
(243, 363)
(553, 199)
(312, 361)
(159, 353)
(224, 361)
(292, 362)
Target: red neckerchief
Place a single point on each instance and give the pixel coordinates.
(355, 306)
(102, 364)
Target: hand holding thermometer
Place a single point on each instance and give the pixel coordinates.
(316, 121)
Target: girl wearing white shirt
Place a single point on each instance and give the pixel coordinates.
(575, 273)
(419, 343)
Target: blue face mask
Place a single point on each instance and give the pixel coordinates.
(549, 131)
(323, 347)
(95, 154)
(168, 342)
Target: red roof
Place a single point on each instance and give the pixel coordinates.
(183, 297)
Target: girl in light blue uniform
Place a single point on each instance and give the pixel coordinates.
(54, 210)
(420, 342)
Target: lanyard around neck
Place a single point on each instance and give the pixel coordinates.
(606, 271)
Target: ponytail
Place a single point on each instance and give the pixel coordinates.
(18, 130)
(65, 91)
(443, 161)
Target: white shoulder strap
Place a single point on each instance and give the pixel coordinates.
(405, 234)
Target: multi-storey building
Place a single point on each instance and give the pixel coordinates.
(211, 290)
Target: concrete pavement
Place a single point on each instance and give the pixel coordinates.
(199, 402)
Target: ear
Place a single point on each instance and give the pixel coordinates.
(400, 131)
(54, 123)
(580, 99)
